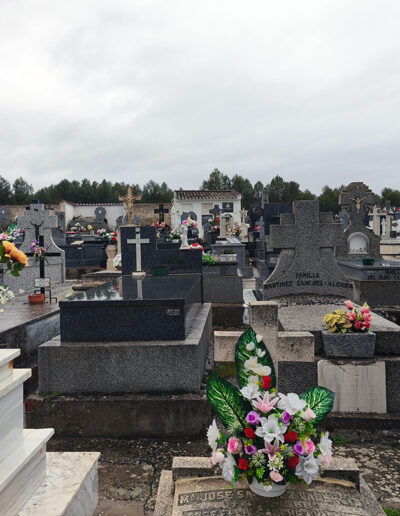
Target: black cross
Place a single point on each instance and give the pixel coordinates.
(37, 229)
(215, 211)
(161, 212)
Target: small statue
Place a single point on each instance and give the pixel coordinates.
(383, 224)
(358, 202)
(184, 236)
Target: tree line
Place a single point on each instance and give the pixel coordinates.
(86, 191)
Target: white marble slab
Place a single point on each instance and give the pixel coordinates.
(17, 377)
(70, 487)
(11, 421)
(34, 441)
(358, 387)
(6, 362)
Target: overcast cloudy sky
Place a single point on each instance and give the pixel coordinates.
(167, 90)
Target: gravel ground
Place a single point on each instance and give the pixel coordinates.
(129, 470)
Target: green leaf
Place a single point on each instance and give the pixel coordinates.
(2, 250)
(227, 401)
(241, 355)
(320, 400)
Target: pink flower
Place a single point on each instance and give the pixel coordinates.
(366, 324)
(349, 305)
(185, 222)
(265, 405)
(364, 309)
(217, 457)
(196, 224)
(276, 476)
(351, 316)
(325, 459)
(271, 449)
(357, 325)
(234, 445)
(367, 316)
(308, 415)
(310, 447)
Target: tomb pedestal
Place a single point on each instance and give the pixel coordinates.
(23, 457)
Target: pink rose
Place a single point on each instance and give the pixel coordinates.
(276, 476)
(217, 457)
(349, 305)
(308, 414)
(310, 447)
(234, 445)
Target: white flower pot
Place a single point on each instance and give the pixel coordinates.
(260, 490)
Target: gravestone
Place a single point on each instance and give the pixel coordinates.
(215, 212)
(5, 217)
(100, 213)
(344, 218)
(358, 239)
(161, 211)
(190, 489)
(306, 264)
(140, 253)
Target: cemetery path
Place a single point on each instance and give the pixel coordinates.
(129, 470)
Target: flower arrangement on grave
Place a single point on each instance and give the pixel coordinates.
(270, 438)
(111, 237)
(15, 260)
(256, 227)
(101, 232)
(5, 294)
(353, 320)
(209, 260)
(217, 224)
(117, 261)
(197, 246)
(11, 233)
(39, 252)
(190, 223)
(89, 228)
(174, 236)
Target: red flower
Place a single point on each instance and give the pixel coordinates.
(114, 238)
(243, 464)
(292, 462)
(266, 383)
(249, 433)
(291, 436)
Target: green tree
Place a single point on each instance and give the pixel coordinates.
(22, 191)
(390, 195)
(308, 196)
(153, 192)
(5, 191)
(276, 189)
(217, 181)
(329, 199)
(244, 187)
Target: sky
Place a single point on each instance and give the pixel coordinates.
(132, 90)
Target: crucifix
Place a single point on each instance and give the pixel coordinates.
(138, 242)
(127, 201)
(37, 229)
(215, 212)
(160, 210)
(357, 199)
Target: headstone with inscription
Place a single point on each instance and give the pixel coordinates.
(306, 264)
(192, 491)
(358, 239)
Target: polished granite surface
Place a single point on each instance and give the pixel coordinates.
(149, 290)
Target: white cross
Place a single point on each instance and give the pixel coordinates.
(138, 241)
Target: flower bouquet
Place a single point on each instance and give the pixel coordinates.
(209, 260)
(270, 437)
(189, 222)
(117, 261)
(353, 321)
(39, 252)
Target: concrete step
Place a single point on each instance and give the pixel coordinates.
(6, 362)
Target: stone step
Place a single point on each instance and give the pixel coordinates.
(12, 381)
(23, 471)
(70, 487)
(11, 421)
(6, 362)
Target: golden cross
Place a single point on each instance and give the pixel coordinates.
(127, 201)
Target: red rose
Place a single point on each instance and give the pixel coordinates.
(266, 383)
(291, 436)
(292, 462)
(249, 433)
(243, 464)
(114, 238)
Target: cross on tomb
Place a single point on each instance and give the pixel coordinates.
(215, 212)
(161, 210)
(37, 221)
(127, 201)
(138, 242)
(357, 199)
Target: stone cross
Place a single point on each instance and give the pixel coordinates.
(138, 242)
(36, 222)
(357, 199)
(376, 221)
(224, 226)
(306, 263)
(243, 215)
(127, 201)
(215, 212)
(160, 210)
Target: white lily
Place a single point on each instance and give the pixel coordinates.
(212, 435)
(291, 403)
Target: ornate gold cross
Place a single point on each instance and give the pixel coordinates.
(127, 201)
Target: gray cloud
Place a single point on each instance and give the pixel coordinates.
(169, 90)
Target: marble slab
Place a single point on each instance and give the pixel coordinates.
(70, 487)
(359, 387)
(6, 362)
(12, 381)
(11, 421)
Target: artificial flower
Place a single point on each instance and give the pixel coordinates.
(249, 433)
(308, 468)
(228, 468)
(243, 464)
(292, 462)
(212, 435)
(325, 444)
(252, 418)
(309, 446)
(349, 305)
(291, 436)
(250, 346)
(275, 476)
(298, 448)
(266, 382)
(250, 449)
(271, 449)
(234, 445)
(260, 353)
(270, 429)
(286, 418)
(291, 403)
(265, 405)
(259, 338)
(308, 414)
(250, 392)
(217, 457)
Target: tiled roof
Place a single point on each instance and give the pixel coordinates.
(214, 195)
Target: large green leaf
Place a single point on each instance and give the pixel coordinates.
(228, 402)
(241, 355)
(320, 400)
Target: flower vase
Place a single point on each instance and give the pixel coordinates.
(259, 489)
(36, 299)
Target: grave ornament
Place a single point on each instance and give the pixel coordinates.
(160, 211)
(127, 201)
(259, 421)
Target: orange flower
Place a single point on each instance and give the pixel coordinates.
(7, 245)
(21, 257)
